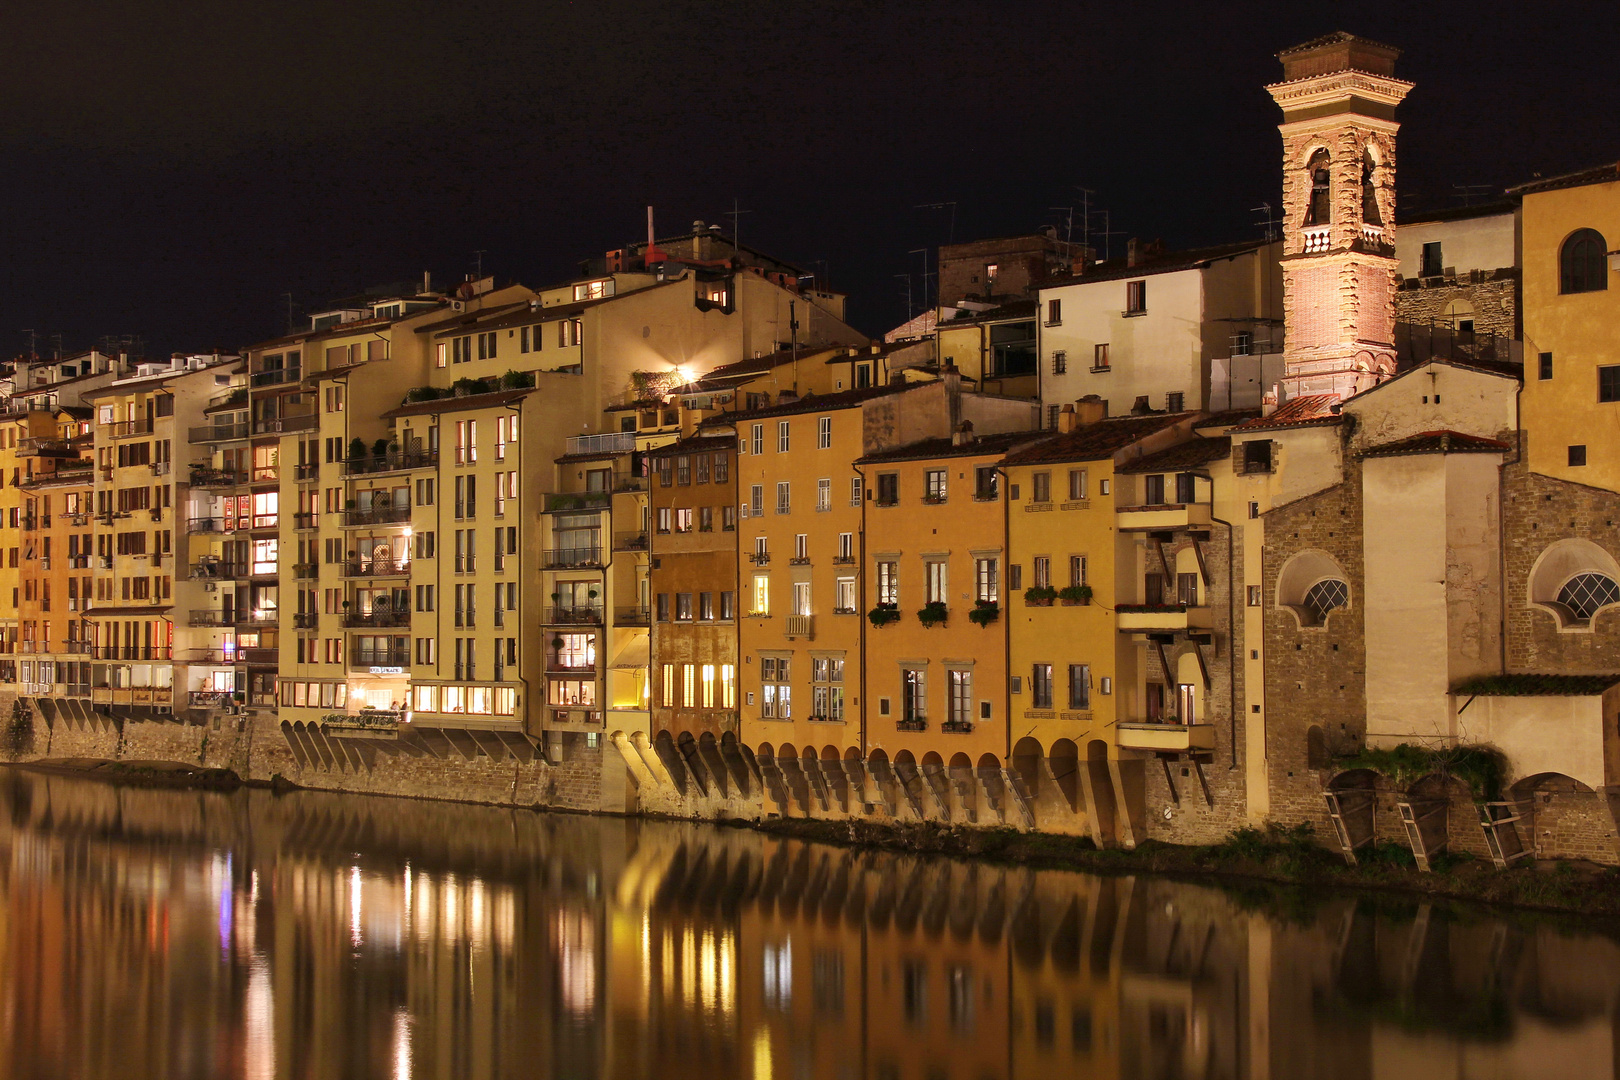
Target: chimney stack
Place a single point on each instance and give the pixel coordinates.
(963, 435)
(1089, 410)
(1068, 420)
(1131, 252)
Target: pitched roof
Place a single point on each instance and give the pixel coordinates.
(1297, 412)
(756, 365)
(1226, 418)
(1165, 263)
(1336, 37)
(1601, 174)
(846, 399)
(695, 444)
(983, 446)
(1438, 442)
(1182, 456)
(1012, 309)
(1532, 685)
(459, 404)
(1092, 442)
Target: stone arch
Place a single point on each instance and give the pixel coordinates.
(1102, 787)
(1318, 180)
(1065, 761)
(1026, 761)
(1354, 780)
(1306, 587)
(1568, 580)
(1547, 781)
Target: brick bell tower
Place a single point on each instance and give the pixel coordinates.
(1338, 98)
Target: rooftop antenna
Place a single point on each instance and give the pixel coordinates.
(1106, 233)
(1266, 221)
(1068, 227)
(735, 214)
(925, 274)
(1085, 216)
(289, 297)
(951, 234)
(479, 254)
(910, 312)
(1469, 192)
(33, 345)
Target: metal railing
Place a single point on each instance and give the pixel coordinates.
(380, 658)
(211, 618)
(275, 376)
(571, 558)
(618, 442)
(632, 616)
(281, 425)
(356, 620)
(376, 515)
(212, 478)
(217, 433)
(306, 472)
(578, 500)
(258, 617)
(211, 699)
(376, 568)
(126, 429)
(305, 571)
(304, 620)
(630, 541)
(130, 652)
(394, 461)
(308, 519)
(575, 616)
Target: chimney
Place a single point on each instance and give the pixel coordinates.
(963, 435)
(1131, 249)
(1089, 410)
(1268, 402)
(427, 281)
(897, 378)
(1068, 420)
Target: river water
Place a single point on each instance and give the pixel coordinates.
(178, 934)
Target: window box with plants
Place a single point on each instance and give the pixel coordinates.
(1133, 609)
(1040, 595)
(984, 612)
(884, 614)
(1075, 595)
(933, 613)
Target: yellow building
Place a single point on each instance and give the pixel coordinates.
(936, 650)
(1569, 254)
(1076, 658)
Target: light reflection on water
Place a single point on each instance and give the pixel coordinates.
(181, 934)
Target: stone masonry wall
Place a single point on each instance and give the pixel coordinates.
(1495, 303)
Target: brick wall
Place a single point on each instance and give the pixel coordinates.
(1495, 303)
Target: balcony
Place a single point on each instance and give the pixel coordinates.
(1162, 516)
(258, 617)
(760, 558)
(311, 471)
(376, 515)
(219, 657)
(304, 620)
(215, 433)
(356, 620)
(916, 723)
(618, 442)
(210, 524)
(568, 665)
(576, 558)
(396, 461)
(574, 616)
(843, 560)
(216, 478)
(380, 723)
(130, 652)
(211, 618)
(128, 429)
(382, 658)
(211, 699)
(275, 377)
(798, 626)
(1166, 738)
(1161, 618)
(576, 717)
(306, 520)
(258, 658)
(561, 502)
(377, 568)
(282, 425)
(305, 571)
(630, 541)
(131, 695)
(632, 616)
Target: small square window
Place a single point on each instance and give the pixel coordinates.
(1577, 455)
(1609, 383)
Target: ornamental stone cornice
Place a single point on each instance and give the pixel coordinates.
(1337, 85)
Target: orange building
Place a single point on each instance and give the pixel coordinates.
(56, 480)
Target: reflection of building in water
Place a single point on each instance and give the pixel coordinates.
(166, 934)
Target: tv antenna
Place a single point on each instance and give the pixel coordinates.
(735, 214)
(950, 235)
(1266, 221)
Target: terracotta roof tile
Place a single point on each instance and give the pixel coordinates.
(1533, 685)
(809, 403)
(1438, 442)
(1182, 456)
(1168, 262)
(1305, 409)
(1093, 442)
(983, 446)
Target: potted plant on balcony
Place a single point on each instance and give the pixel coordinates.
(884, 614)
(379, 449)
(1073, 595)
(357, 450)
(1040, 595)
(984, 612)
(933, 613)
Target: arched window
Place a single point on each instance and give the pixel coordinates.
(1325, 596)
(1320, 209)
(1585, 594)
(1369, 193)
(1580, 263)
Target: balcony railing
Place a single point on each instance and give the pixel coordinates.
(396, 461)
(630, 541)
(217, 433)
(275, 376)
(130, 652)
(258, 617)
(304, 620)
(618, 442)
(305, 571)
(211, 618)
(376, 515)
(259, 658)
(281, 425)
(569, 665)
(212, 699)
(377, 568)
(306, 520)
(217, 478)
(760, 558)
(801, 626)
(916, 723)
(380, 721)
(360, 658)
(128, 429)
(578, 500)
(356, 620)
(571, 558)
(632, 616)
(211, 524)
(574, 616)
(310, 471)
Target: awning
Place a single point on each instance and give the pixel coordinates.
(634, 653)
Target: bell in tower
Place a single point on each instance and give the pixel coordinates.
(1338, 98)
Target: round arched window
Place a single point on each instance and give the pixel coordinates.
(1585, 594)
(1580, 263)
(1325, 596)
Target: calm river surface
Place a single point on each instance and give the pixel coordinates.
(175, 934)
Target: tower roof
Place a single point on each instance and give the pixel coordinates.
(1335, 52)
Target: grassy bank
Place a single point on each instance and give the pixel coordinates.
(1282, 856)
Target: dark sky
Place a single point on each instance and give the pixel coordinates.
(172, 169)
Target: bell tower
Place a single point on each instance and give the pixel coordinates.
(1338, 98)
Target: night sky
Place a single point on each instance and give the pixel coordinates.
(173, 169)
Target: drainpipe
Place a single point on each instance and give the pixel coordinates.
(860, 591)
(1231, 614)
